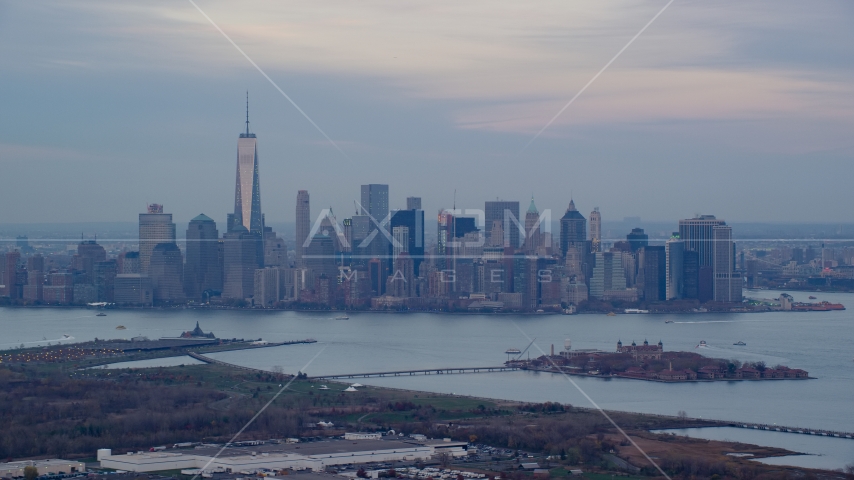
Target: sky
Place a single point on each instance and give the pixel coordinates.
(744, 110)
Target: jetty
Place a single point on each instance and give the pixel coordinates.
(427, 371)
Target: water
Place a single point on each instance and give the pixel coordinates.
(153, 363)
(819, 342)
(821, 452)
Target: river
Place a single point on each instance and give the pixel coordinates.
(819, 342)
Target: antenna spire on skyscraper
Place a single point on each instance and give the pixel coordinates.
(247, 112)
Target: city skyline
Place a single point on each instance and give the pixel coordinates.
(746, 116)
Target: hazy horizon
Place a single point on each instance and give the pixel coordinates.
(743, 111)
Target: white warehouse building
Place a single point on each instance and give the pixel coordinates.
(314, 456)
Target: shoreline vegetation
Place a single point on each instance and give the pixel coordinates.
(61, 409)
(56, 406)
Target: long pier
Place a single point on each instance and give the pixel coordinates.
(210, 360)
(428, 371)
(778, 428)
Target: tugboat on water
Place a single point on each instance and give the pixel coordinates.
(740, 343)
(702, 344)
(813, 297)
(101, 314)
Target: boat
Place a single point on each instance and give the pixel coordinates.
(635, 310)
(342, 317)
(101, 314)
(612, 314)
(702, 344)
(513, 351)
(121, 327)
(813, 297)
(668, 321)
(740, 343)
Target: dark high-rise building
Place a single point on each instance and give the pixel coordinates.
(637, 239)
(690, 274)
(239, 263)
(105, 278)
(83, 264)
(319, 257)
(573, 231)
(247, 188)
(203, 271)
(413, 203)
(413, 221)
(464, 225)
(303, 224)
(697, 233)
(9, 278)
(654, 273)
(502, 211)
(166, 271)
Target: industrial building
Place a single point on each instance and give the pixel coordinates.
(314, 456)
(50, 466)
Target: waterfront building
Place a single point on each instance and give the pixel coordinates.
(203, 270)
(507, 213)
(675, 265)
(654, 273)
(239, 263)
(303, 224)
(9, 279)
(690, 274)
(155, 227)
(401, 283)
(105, 277)
(60, 289)
(268, 286)
(573, 232)
(697, 233)
(128, 262)
(166, 271)
(83, 263)
(596, 230)
(247, 188)
(608, 274)
(133, 289)
(727, 281)
(637, 239)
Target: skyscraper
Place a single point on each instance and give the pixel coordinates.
(573, 231)
(375, 201)
(654, 274)
(727, 283)
(502, 210)
(596, 230)
(533, 229)
(239, 263)
(637, 239)
(166, 271)
(675, 267)
(303, 225)
(203, 271)
(247, 190)
(413, 203)
(697, 233)
(154, 227)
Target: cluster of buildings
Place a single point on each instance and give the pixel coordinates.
(591, 362)
(494, 259)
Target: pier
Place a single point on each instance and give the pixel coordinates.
(429, 371)
(212, 361)
(803, 431)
